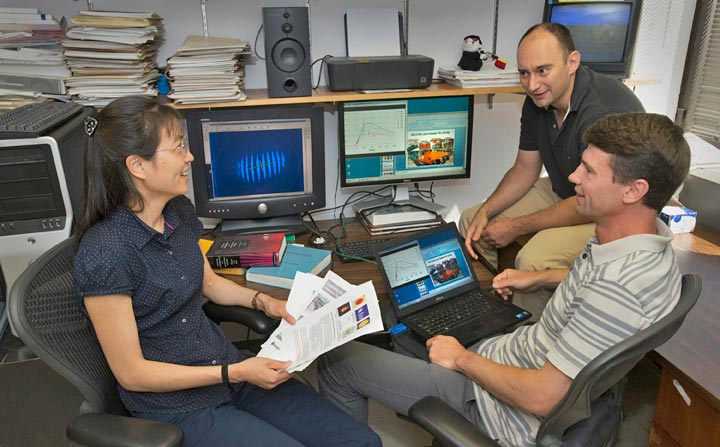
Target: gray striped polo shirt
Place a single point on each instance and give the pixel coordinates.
(613, 291)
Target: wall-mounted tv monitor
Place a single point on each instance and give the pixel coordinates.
(603, 31)
(405, 141)
(258, 168)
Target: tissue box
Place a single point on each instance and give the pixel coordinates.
(680, 220)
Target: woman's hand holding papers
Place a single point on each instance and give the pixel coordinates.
(274, 308)
(265, 373)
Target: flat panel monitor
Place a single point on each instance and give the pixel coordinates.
(258, 168)
(603, 31)
(405, 141)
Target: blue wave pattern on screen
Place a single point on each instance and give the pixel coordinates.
(261, 167)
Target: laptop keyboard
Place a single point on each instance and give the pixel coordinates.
(454, 313)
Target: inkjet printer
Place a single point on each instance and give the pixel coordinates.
(379, 73)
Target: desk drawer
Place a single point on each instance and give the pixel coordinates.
(678, 423)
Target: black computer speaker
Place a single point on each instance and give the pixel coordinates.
(287, 51)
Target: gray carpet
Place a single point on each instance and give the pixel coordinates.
(37, 404)
(640, 396)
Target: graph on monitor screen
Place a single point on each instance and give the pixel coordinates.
(376, 130)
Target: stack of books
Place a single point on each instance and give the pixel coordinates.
(233, 254)
(208, 69)
(397, 218)
(297, 259)
(31, 62)
(488, 76)
(112, 54)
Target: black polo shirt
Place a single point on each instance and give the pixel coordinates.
(593, 96)
(163, 274)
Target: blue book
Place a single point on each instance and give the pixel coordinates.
(296, 259)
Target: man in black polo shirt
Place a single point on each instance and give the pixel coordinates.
(563, 99)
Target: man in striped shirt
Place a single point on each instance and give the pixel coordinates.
(625, 279)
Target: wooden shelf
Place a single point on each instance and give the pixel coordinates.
(259, 97)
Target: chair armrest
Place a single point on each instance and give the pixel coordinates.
(447, 425)
(108, 430)
(257, 321)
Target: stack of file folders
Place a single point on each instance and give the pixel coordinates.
(31, 61)
(488, 76)
(208, 69)
(112, 54)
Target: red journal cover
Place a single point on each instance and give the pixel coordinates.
(247, 250)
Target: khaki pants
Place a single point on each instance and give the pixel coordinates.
(547, 249)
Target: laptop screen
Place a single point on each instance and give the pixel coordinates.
(427, 268)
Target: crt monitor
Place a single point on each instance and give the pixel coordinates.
(258, 168)
(405, 141)
(603, 31)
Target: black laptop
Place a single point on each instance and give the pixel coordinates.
(434, 290)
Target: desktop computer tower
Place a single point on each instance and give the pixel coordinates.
(41, 192)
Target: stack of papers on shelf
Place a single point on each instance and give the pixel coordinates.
(208, 69)
(329, 312)
(488, 76)
(9, 99)
(112, 54)
(23, 27)
(31, 61)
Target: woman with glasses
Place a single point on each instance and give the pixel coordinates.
(141, 278)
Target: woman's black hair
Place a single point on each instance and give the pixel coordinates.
(132, 125)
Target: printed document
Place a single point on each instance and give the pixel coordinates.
(329, 312)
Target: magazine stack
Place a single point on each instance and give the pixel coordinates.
(31, 63)
(488, 76)
(112, 54)
(208, 69)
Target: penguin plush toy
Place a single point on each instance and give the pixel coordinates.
(473, 55)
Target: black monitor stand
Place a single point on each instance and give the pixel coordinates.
(401, 196)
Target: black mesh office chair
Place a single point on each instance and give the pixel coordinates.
(44, 312)
(590, 414)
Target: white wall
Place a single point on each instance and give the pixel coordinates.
(660, 51)
(436, 29)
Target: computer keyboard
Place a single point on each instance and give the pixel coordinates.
(36, 119)
(359, 250)
(455, 312)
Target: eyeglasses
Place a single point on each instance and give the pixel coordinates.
(180, 148)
